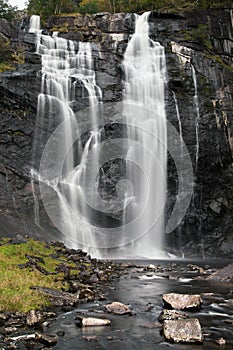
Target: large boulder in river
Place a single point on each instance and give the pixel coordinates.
(183, 331)
(182, 301)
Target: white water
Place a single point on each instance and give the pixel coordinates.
(181, 182)
(34, 25)
(144, 109)
(197, 109)
(62, 69)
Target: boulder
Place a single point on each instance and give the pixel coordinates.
(118, 308)
(91, 321)
(183, 331)
(46, 339)
(182, 301)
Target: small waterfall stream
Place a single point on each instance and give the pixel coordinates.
(180, 243)
(197, 109)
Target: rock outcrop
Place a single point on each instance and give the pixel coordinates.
(199, 73)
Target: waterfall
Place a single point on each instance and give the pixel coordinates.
(182, 180)
(64, 167)
(144, 110)
(65, 65)
(34, 25)
(196, 104)
(198, 197)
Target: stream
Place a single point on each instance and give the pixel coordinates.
(142, 290)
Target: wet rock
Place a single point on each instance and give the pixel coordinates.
(59, 298)
(23, 337)
(228, 321)
(91, 338)
(216, 207)
(91, 321)
(75, 286)
(224, 274)
(118, 308)
(60, 333)
(182, 301)
(94, 279)
(86, 294)
(34, 318)
(183, 331)
(3, 318)
(46, 339)
(8, 330)
(171, 315)
(220, 341)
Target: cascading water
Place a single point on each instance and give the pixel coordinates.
(141, 232)
(198, 198)
(62, 70)
(34, 25)
(144, 110)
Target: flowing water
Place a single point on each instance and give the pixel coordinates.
(65, 165)
(144, 109)
(64, 66)
(142, 291)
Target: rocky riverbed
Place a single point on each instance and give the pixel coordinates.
(130, 305)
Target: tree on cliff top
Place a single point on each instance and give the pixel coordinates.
(92, 6)
(7, 11)
(52, 7)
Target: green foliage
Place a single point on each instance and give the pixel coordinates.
(7, 11)
(90, 7)
(5, 50)
(147, 5)
(200, 35)
(46, 8)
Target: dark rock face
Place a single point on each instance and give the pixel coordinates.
(212, 204)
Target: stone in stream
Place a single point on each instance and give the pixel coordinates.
(118, 308)
(46, 339)
(220, 341)
(183, 331)
(171, 315)
(224, 274)
(91, 321)
(182, 301)
(34, 318)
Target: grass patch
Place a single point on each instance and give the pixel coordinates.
(4, 66)
(15, 287)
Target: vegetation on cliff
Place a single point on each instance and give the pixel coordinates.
(7, 11)
(51, 7)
